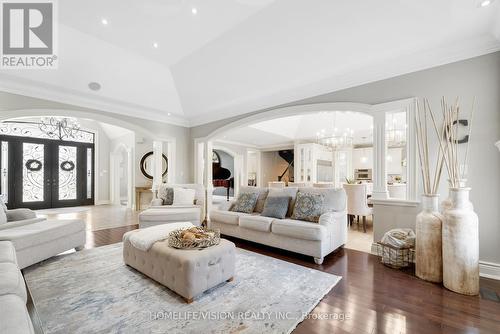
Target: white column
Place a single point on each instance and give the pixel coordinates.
(114, 167)
(208, 174)
(238, 173)
(199, 162)
(411, 155)
(157, 163)
(334, 169)
(171, 155)
(258, 158)
(379, 157)
(130, 179)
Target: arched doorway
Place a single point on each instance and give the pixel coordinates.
(121, 166)
(380, 113)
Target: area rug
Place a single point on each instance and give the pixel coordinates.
(92, 291)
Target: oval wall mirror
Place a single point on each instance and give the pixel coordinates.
(147, 165)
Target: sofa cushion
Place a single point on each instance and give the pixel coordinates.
(183, 196)
(257, 223)
(298, 229)
(335, 198)
(245, 203)
(27, 236)
(170, 214)
(166, 194)
(14, 318)
(7, 252)
(288, 191)
(263, 192)
(227, 217)
(276, 206)
(308, 206)
(11, 281)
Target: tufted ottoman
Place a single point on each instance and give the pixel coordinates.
(186, 272)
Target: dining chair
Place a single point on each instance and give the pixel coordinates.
(357, 202)
(297, 184)
(323, 185)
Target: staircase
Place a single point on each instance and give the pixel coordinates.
(288, 156)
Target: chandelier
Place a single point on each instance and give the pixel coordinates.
(59, 128)
(337, 141)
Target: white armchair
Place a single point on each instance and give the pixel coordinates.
(158, 213)
(357, 202)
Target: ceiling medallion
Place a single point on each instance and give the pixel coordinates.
(33, 165)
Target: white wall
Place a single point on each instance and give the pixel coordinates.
(271, 166)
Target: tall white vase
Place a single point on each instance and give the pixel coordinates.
(461, 245)
(448, 202)
(429, 259)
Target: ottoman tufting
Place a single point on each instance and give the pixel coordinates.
(188, 272)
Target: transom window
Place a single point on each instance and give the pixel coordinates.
(33, 130)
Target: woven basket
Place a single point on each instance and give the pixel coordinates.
(394, 257)
(205, 238)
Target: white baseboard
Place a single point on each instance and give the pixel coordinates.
(489, 270)
(103, 202)
(486, 269)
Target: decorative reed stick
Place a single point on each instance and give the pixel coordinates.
(430, 181)
(448, 142)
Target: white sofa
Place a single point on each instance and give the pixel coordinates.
(14, 317)
(36, 239)
(313, 239)
(158, 213)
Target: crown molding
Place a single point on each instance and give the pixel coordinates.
(30, 88)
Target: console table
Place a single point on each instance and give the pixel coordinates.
(138, 193)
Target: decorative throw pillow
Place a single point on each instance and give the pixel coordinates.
(183, 196)
(245, 203)
(308, 206)
(287, 191)
(276, 206)
(166, 194)
(261, 199)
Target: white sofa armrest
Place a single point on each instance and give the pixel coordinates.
(21, 223)
(20, 214)
(336, 225)
(331, 217)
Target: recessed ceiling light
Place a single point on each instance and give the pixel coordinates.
(168, 114)
(155, 45)
(194, 10)
(485, 3)
(104, 22)
(95, 86)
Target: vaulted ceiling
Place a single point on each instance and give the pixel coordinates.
(220, 58)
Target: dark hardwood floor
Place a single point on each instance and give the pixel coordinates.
(372, 298)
